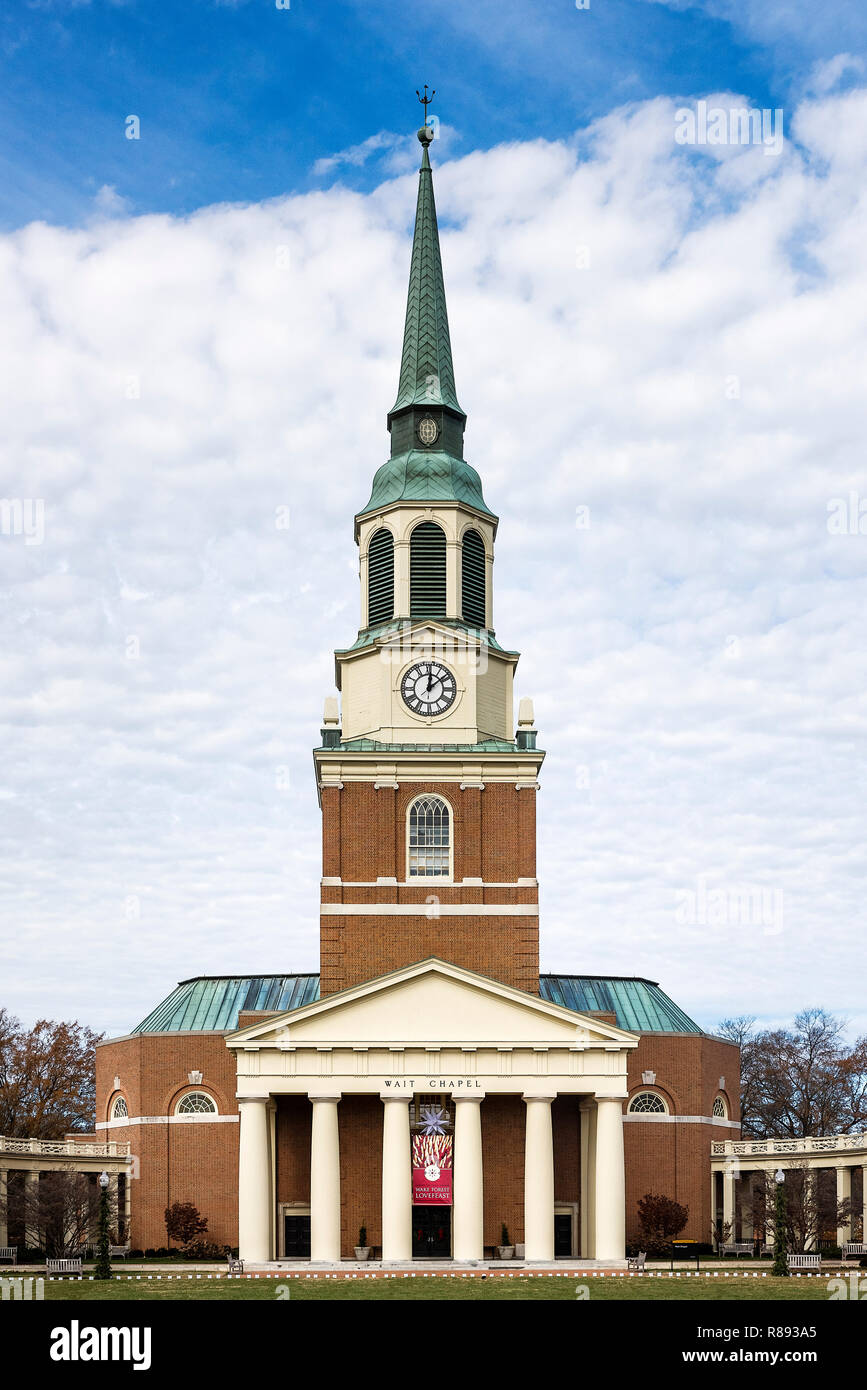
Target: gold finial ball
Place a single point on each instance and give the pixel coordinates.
(425, 134)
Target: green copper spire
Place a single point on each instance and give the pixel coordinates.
(426, 422)
(427, 376)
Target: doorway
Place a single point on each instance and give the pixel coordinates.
(431, 1233)
(296, 1237)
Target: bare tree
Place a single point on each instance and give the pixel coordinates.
(58, 1214)
(813, 1213)
(802, 1080)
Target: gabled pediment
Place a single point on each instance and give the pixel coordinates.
(432, 1004)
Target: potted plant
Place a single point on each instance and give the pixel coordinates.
(519, 1250)
(506, 1251)
(362, 1249)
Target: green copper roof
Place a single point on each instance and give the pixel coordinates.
(209, 1004)
(427, 381)
(427, 376)
(399, 626)
(426, 475)
(371, 745)
(640, 1005)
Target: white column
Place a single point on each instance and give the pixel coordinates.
(539, 1180)
(396, 1179)
(468, 1238)
(325, 1182)
(453, 590)
(4, 1224)
(729, 1173)
(610, 1180)
(127, 1203)
(844, 1194)
(254, 1181)
(32, 1233)
(584, 1139)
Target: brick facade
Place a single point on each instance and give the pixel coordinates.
(364, 839)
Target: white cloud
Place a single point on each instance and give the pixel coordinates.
(696, 655)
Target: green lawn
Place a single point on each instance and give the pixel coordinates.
(561, 1289)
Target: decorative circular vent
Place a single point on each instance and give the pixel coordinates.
(427, 430)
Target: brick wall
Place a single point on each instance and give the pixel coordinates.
(179, 1162)
(364, 838)
(673, 1160)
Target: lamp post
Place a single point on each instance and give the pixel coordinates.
(103, 1257)
(781, 1264)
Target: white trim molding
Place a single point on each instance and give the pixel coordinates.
(168, 1120)
(428, 909)
(655, 1119)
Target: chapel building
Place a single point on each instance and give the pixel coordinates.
(428, 1087)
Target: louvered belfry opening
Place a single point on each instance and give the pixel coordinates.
(473, 579)
(380, 578)
(427, 571)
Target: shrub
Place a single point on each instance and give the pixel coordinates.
(660, 1219)
(205, 1250)
(184, 1223)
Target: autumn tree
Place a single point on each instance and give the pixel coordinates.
(660, 1219)
(184, 1224)
(799, 1081)
(47, 1078)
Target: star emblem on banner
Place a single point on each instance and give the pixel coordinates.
(433, 1119)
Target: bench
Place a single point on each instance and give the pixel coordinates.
(811, 1261)
(71, 1266)
(738, 1248)
(637, 1262)
(118, 1252)
(235, 1266)
(9, 1252)
(851, 1249)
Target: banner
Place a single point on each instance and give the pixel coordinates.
(432, 1170)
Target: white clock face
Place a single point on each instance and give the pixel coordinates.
(428, 687)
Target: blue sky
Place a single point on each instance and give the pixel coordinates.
(238, 101)
(666, 338)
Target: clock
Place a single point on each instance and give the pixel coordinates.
(428, 687)
(427, 430)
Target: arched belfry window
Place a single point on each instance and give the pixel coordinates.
(427, 571)
(429, 838)
(380, 578)
(473, 581)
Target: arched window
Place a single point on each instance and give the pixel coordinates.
(195, 1103)
(120, 1109)
(473, 579)
(427, 571)
(429, 839)
(720, 1109)
(647, 1103)
(380, 578)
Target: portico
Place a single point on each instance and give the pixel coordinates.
(434, 1029)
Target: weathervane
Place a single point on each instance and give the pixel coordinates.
(425, 100)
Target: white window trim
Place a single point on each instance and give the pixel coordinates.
(414, 880)
(192, 1114)
(114, 1104)
(647, 1091)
